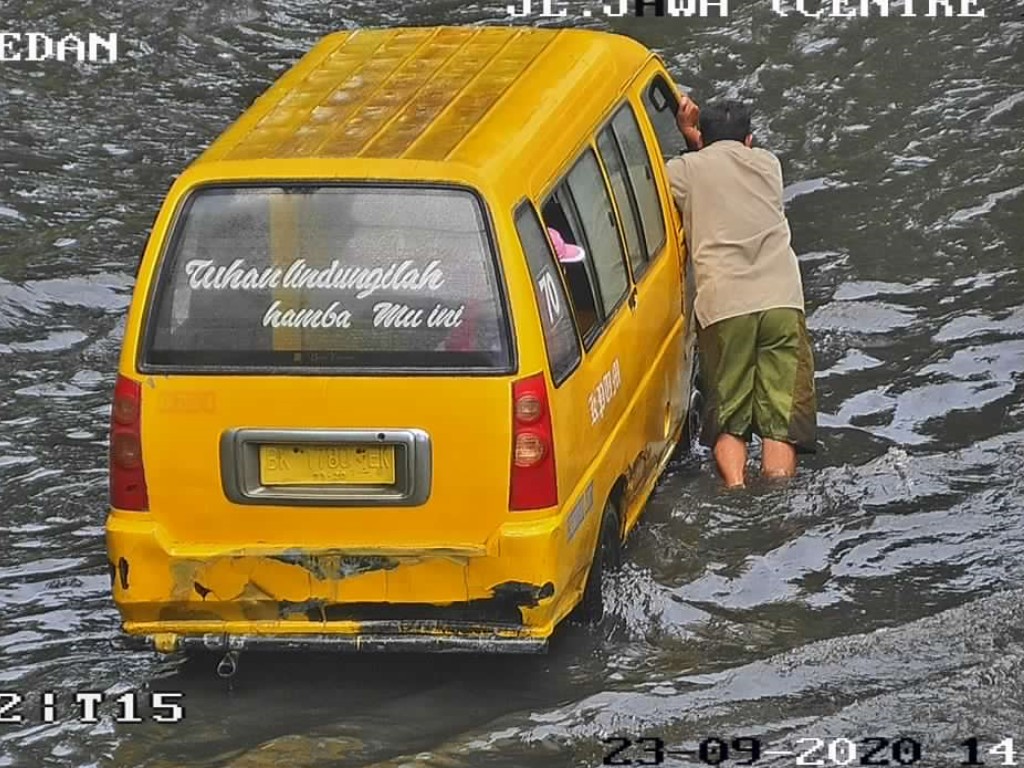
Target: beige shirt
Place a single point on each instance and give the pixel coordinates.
(730, 197)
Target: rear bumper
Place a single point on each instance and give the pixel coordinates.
(504, 596)
(380, 639)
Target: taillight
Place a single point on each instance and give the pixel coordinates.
(127, 476)
(534, 484)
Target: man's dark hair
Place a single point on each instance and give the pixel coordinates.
(722, 120)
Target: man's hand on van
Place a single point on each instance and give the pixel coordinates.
(688, 119)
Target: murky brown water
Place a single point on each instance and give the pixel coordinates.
(879, 595)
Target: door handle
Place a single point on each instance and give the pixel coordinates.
(632, 300)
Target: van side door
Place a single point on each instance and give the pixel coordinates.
(654, 299)
(579, 215)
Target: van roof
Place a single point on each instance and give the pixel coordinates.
(473, 96)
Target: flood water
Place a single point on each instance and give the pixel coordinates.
(878, 595)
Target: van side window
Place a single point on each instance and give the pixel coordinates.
(600, 232)
(560, 215)
(641, 177)
(624, 200)
(661, 105)
(555, 313)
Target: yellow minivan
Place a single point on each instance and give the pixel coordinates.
(408, 350)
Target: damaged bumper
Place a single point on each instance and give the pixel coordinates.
(505, 596)
(373, 639)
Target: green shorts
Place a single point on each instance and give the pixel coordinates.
(758, 377)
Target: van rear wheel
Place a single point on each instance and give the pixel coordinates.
(695, 407)
(607, 558)
(694, 420)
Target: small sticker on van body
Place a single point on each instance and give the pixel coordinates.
(603, 393)
(579, 511)
(199, 401)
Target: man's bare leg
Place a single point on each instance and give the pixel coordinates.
(778, 459)
(731, 457)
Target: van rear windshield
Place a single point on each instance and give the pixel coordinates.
(355, 277)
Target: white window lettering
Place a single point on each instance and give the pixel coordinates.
(445, 317)
(370, 282)
(203, 275)
(387, 314)
(292, 273)
(410, 278)
(433, 277)
(337, 319)
(397, 276)
(195, 270)
(331, 317)
(550, 292)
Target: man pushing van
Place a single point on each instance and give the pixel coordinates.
(751, 332)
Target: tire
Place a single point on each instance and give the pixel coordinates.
(607, 558)
(689, 440)
(694, 407)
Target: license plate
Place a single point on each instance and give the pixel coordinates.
(327, 464)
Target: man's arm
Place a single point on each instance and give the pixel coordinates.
(688, 120)
(678, 182)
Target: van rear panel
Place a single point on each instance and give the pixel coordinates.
(328, 370)
(318, 439)
(325, 418)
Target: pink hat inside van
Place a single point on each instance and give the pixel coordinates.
(567, 252)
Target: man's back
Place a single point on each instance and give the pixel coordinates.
(755, 352)
(730, 197)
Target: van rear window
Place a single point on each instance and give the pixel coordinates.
(357, 277)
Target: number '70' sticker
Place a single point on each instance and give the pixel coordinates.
(552, 302)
